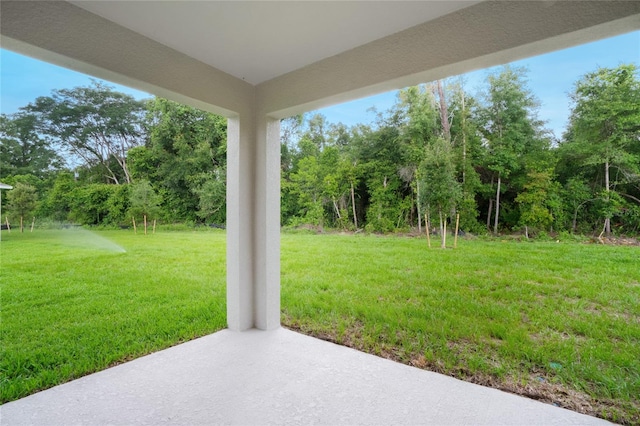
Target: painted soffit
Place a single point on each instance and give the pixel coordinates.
(354, 49)
(257, 41)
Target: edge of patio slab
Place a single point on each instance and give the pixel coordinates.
(275, 377)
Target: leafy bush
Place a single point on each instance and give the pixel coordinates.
(118, 204)
(90, 204)
(57, 205)
(21, 201)
(144, 201)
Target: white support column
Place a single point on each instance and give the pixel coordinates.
(253, 223)
(240, 195)
(267, 225)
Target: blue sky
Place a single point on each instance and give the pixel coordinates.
(551, 78)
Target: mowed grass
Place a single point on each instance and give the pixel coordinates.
(553, 321)
(74, 303)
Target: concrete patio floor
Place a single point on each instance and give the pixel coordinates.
(274, 377)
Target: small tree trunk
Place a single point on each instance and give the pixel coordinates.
(8, 226)
(135, 230)
(441, 228)
(427, 228)
(495, 219)
(111, 175)
(353, 206)
(33, 223)
(418, 206)
(444, 114)
(122, 160)
(444, 234)
(607, 221)
(603, 229)
(464, 144)
(455, 238)
(21, 228)
(335, 206)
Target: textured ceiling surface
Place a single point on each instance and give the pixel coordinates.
(286, 57)
(259, 40)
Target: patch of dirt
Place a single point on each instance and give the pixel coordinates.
(540, 388)
(536, 386)
(629, 317)
(615, 241)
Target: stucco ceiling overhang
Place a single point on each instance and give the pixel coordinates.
(294, 56)
(260, 40)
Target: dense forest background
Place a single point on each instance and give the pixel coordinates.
(94, 156)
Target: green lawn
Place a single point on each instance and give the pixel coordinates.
(72, 304)
(555, 321)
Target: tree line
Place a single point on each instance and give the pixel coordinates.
(439, 154)
(94, 156)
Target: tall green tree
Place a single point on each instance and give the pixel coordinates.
(351, 169)
(604, 132)
(24, 149)
(387, 199)
(576, 196)
(90, 203)
(535, 201)
(335, 170)
(508, 125)
(59, 200)
(308, 187)
(290, 133)
(95, 125)
(144, 201)
(442, 189)
(468, 153)
(318, 175)
(417, 106)
(22, 201)
(317, 131)
(212, 199)
(186, 150)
